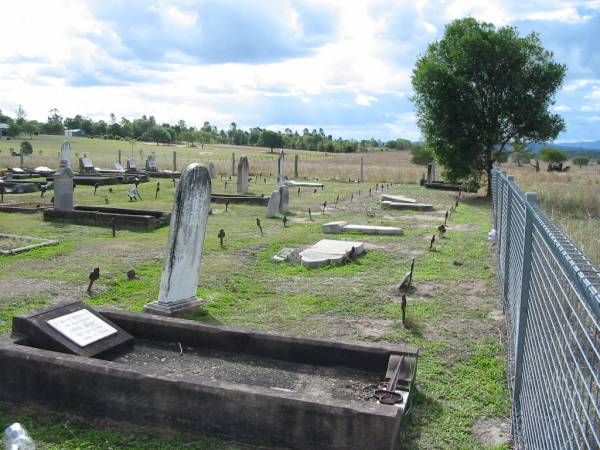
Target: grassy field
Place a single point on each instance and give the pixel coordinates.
(571, 199)
(454, 313)
(380, 166)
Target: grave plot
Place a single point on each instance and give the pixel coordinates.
(336, 394)
(12, 245)
(25, 207)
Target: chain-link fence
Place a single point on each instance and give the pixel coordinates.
(552, 306)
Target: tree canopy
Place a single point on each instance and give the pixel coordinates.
(421, 154)
(270, 139)
(553, 155)
(480, 88)
(26, 148)
(581, 160)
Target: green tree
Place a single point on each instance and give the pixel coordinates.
(29, 127)
(479, 88)
(421, 154)
(14, 129)
(26, 148)
(270, 139)
(581, 160)
(552, 155)
(157, 134)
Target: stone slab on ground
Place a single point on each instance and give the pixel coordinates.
(334, 227)
(302, 184)
(374, 229)
(407, 206)
(285, 254)
(397, 198)
(329, 251)
(340, 227)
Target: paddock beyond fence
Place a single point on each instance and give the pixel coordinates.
(551, 295)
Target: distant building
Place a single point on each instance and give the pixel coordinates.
(74, 132)
(3, 129)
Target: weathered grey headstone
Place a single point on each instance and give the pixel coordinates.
(273, 206)
(281, 168)
(63, 188)
(242, 180)
(131, 165)
(284, 200)
(174, 161)
(232, 164)
(296, 166)
(179, 280)
(430, 172)
(65, 153)
(151, 163)
(212, 170)
(86, 166)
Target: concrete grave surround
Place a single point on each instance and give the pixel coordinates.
(28, 243)
(397, 198)
(263, 414)
(273, 206)
(293, 183)
(409, 206)
(65, 153)
(340, 227)
(179, 280)
(63, 188)
(281, 168)
(242, 178)
(328, 251)
(284, 200)
(212, 170)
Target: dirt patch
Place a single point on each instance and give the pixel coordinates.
(351, 326)
(238, 368)
(492, 431)
(11, 289)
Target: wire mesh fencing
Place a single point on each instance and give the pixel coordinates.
(551, 298)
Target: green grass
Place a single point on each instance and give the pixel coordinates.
(461, 369)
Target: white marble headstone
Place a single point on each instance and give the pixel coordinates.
(82, 327)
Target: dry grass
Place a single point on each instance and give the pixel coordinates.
(570, 199)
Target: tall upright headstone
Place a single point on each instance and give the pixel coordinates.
(65, 153)
(362, 169)
(281, 168)
(63, 188)
(242, 178)
(430, 173)
(120, 156)
(296, 166)
(151, 163)
(284, 199)
(212, 170)
(232, 164)
(273, 206)
(179, 280)
(174, 161)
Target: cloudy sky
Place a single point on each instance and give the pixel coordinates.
(343, 65)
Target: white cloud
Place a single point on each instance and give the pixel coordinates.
(365, 100)
(63, 56)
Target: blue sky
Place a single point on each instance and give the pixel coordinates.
(340, 65)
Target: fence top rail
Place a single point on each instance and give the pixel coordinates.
(583, 270)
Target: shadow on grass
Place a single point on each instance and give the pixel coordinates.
(423, 410)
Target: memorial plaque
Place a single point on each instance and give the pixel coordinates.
(73, 328)
(82, 327)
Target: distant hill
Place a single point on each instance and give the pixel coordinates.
(572, 148)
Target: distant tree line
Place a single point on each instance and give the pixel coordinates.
(146, 128)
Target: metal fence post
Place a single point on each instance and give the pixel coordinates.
(506, 238)
(530, 197)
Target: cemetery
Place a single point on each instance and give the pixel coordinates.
(12, 245)
(291, 383)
